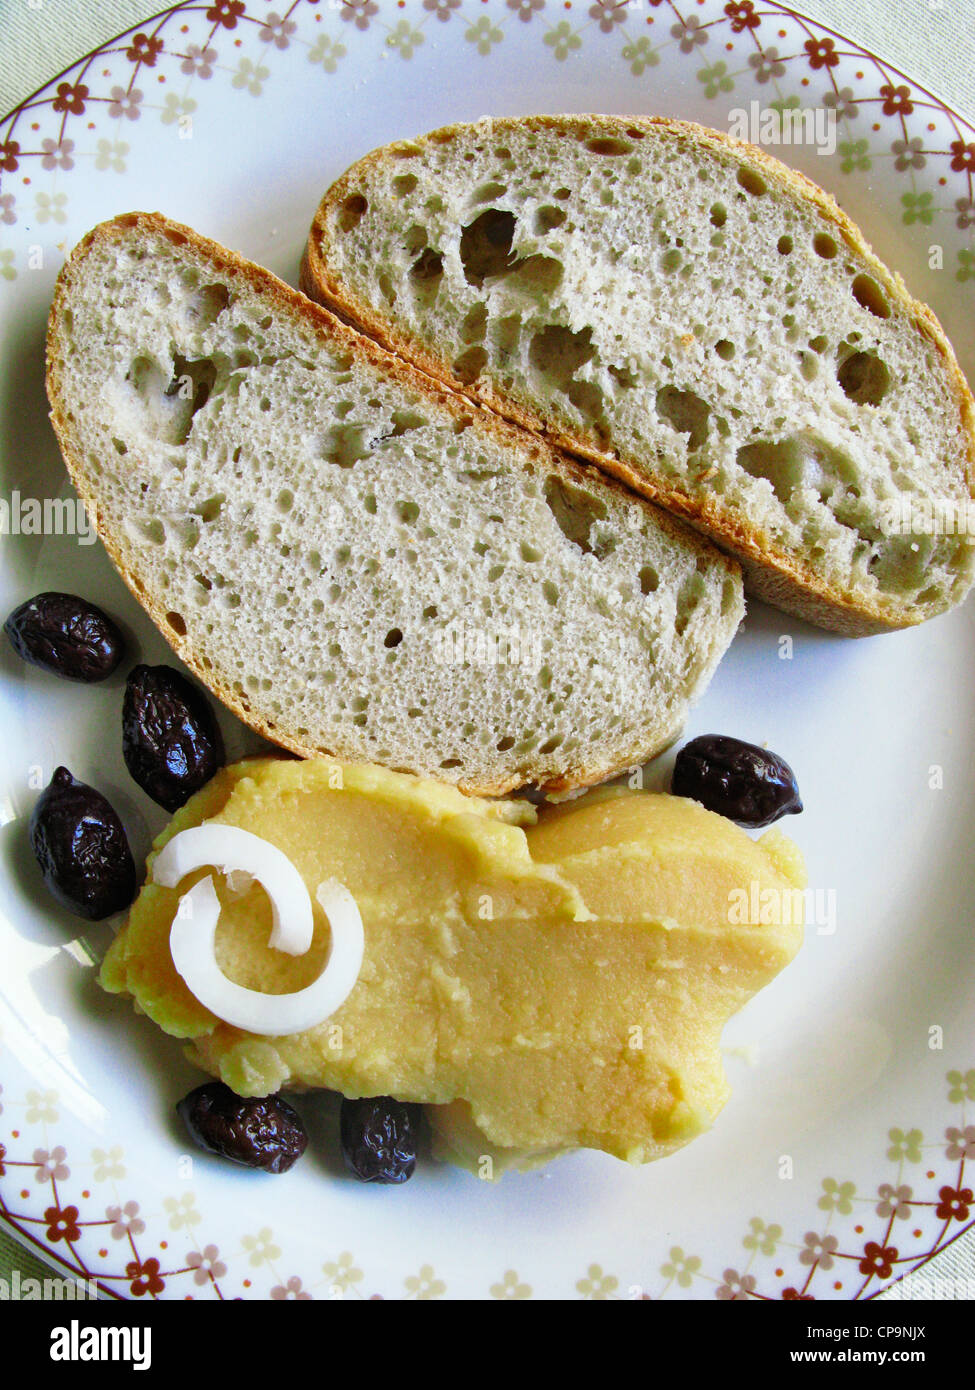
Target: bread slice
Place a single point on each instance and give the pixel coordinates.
(355, 560)
(694, 317)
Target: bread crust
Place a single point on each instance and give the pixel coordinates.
(292, 302)
(771, 573)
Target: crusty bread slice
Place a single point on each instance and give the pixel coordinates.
(354, 559)
(685, 311)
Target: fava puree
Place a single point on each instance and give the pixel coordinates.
(540, 978)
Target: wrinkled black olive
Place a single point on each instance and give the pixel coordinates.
(747, 784)
(170, 739)
(67, 636)
(80, 844)
(379, 1139)
(257, 1131)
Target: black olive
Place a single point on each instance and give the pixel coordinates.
(747, 784)
(66, 635)
(379, 1139)
(81, 847)
(171, 741)
(257, 1131)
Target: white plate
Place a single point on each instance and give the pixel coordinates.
(840, 1162)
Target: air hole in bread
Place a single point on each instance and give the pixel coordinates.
(607, 145)
(469, 365)
(408, 512)
(864, 377)
(489, 191)
(352, 211)
(649, 580)
(784, 245)
(530, 553)
(207, 304)
(869, 295)
(575, 511)
(725, 349)
(719, 214)
(404, 184)
(343, 445)
(547, 219)
(557, 353)
(751, 182)
(485, 246)
(800, 461)
(550, 592)
(686, 412)
(550, 744)
(504, 744)
(474, 323)
(825, 246)
(120, 446)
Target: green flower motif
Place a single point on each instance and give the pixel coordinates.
(176, 107)
(917, 208)
(510, 1287)
(41, 1105)
(342, 1273)
(182, 1211)
(715, 79)
(640, 56)
(783, 104)
(7, 265)
(250, 77)
(50, 208)
(904, 1145)
(681, 1267)
(598, 1285)
(762, 1238)
(327, 52)
(111, 155)
(484, 34)
(562, 41)
(836, 1196)
(965, 271)
(405, 38)
(108, 1163)
(855, 155)
(425, 1284)
(262, 1248)
(963, 1087)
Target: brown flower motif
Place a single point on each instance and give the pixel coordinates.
(961, 1142)
(292, 1289)
(909, 154)
(360, 12)
(794, 1294)
(897, 100)
(125, 103)
(963, 157)
(125, 1221)
(742, 16)
(441, 8)
(70, 98)
(206, 1264)
(226, 12)
(822, 53)
(277, 30)
(767, 65)
(199, 61)
(965, 208)
(609, 13)
(3, 1147)
(894, 1201)
(524, 9)
(955, 1203)
(9, 151)
(144, 1275)
(57, 154)
(736, 1287)
(690, 33)
(62, 1225)
(144, 50)
(878, 1259)
(50, 1166)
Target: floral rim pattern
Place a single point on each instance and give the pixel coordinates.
(860, 1242)
(79, 120)
(80, 1207)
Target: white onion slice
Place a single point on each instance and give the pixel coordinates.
(192, 941)
(231, 849)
